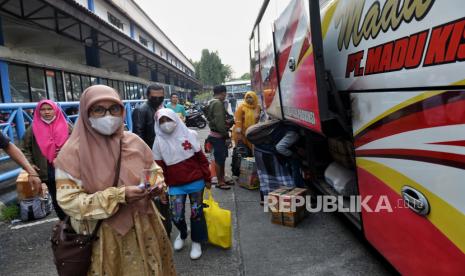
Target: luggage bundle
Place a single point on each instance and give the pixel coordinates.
(261, 133)
(32, 205)
(249, 177)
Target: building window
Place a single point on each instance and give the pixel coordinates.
(85, 82)
(69, 89)
(19, 85)
(121, 89)
(76, 85)
(60, 91)
(115, 21)
(93, 80)
(37, 84)
(143, 41)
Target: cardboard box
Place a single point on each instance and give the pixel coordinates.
(284, 198)
(248, 177)
(273, 198)
(23, 188)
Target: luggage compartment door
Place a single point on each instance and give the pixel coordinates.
(410, 155)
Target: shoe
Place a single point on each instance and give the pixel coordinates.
(196, 251)
(222, 187)
(178, 243)
(229, 182)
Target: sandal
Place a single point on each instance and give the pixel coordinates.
(222, 187)
(229, 182)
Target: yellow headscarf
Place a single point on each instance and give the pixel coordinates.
(250, 110)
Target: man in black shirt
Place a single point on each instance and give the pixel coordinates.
(143, 117)
(15, 153)
(143, 120)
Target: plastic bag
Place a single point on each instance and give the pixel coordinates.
(218, 220)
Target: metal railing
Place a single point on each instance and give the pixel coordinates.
(16, 117)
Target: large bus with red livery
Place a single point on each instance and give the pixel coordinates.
(384, 81)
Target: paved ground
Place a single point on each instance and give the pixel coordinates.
(323, 244)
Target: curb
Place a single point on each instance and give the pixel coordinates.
(8, 198)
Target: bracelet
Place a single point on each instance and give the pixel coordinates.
(35, 175)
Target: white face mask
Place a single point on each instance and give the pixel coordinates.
(48, 121)
(168, 127)
(106, 125)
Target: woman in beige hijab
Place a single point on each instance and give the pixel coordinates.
(132, 240)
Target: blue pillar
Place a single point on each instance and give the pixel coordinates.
(132, 31)
(133, 71)
(5, 78)
(154, 75)
(92, 50)
(90, 5)
(128, 109)
(20, 127)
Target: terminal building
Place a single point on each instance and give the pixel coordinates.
(57, 48)
(238, 88)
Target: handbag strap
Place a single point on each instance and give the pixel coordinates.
(115, 183)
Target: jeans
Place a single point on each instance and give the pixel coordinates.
(198, 225)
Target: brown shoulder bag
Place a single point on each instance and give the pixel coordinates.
(73, 252)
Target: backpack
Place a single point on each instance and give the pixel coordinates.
(261, 133)
(34, 208)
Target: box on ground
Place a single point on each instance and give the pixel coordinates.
(23, 187)
(281, 203)
(248, 177)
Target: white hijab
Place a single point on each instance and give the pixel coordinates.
(177, 146)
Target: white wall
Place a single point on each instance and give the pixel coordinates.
(148, 30)
(146, 23)
(138, 32)
(101, 9)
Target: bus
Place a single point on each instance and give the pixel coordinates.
(377, 88)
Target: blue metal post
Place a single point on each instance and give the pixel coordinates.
(133, 71)
(128, 116)
(92, 51)
(154, 75)
(132, 30)
(10, 174)
(90, 5)
(20, 126)
(5, 79)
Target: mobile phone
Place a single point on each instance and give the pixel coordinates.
(143, 186)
